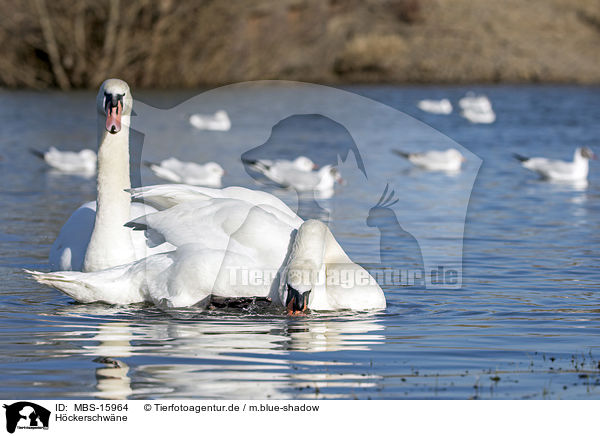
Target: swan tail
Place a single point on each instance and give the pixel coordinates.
(38, 153)
(88, 287)
(520, 157)
(404, 154)
(68, 283)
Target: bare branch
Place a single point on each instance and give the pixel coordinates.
(51, 46)
(110, 41)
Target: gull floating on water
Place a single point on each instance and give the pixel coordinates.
(559, 170)
(219, 121)
(191, 173)
(434, 160)
(289, 175)
(82, 162)
(279, 166)
(477, 109)
(443, 106)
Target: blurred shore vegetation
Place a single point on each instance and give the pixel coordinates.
(169, 43)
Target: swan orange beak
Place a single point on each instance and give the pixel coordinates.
(113, 117)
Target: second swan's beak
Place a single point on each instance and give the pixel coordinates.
(114, 109)
(296, 303)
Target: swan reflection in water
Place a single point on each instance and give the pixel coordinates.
(229, 357)
(112, 381)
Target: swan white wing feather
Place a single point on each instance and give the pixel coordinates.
(165, 196)
(212, 222)
(69, 249)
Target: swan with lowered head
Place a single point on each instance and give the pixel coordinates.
(94, 237)
(191, 173)
(319, 275)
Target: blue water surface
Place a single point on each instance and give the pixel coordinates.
(525, 323)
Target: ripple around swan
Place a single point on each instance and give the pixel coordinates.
(523, 325)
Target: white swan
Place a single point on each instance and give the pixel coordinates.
(94, 237)
(559, 170)
(174, 170)
(219, 121)
(442, 107)
(434, 160)
(82, 162)
(227, 247)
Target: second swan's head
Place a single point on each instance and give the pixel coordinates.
(113, 101)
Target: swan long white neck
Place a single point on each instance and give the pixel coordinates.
(307, 255)
(111, 244)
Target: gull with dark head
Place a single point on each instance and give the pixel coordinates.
(559, 170)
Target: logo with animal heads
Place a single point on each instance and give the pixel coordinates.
(26, 415)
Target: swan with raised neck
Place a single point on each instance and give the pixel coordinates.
(110, 244)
